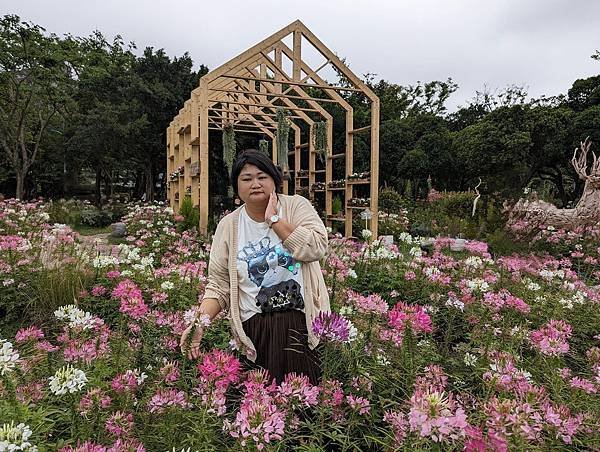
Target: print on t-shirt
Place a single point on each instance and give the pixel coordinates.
(265, 262)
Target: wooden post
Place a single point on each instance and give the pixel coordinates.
(374, 167)
(204, 158)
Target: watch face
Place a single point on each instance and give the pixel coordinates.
(274, 218)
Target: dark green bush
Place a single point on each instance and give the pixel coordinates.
(391, 201)
(97, 218)
(190, 214)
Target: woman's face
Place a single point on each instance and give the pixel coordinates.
(254, 185)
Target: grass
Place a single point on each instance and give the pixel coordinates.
(90, 230)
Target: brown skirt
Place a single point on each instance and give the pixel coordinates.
(281, 342)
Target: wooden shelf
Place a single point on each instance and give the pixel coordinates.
(336, 219)
(301, 177)
(336, 156)
(320, 171)
(358, 182)
(358, 207)
(336, 188)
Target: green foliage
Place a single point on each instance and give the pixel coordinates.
(455, 203)
(336, 205)
(283, 129)
(263, 146)
(37, 81)
(94, 217)
(229, 150)
(391, 201)
(501, 243)
(319, 137)
(190, 214)
(64, 212)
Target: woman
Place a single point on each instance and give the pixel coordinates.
(264, 268)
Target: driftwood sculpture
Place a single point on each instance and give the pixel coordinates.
(526, 216)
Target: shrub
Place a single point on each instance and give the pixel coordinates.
(97, 218)
(190, 214)
(391, 201)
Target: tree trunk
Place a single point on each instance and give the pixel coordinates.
(98, 187)
(149, 176)
(20, 189)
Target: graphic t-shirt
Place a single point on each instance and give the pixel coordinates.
(269, 277)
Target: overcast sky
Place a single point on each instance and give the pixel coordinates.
(543, 45)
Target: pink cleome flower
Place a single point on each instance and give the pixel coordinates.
(166, 398)
(132, 301)
(551, 338)
(32, 333)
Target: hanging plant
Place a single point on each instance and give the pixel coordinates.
(283, 130)
(263, 146)
(319, 137)
(229, 150)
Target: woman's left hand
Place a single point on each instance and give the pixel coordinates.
(271, 208)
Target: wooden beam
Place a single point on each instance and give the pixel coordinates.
(360, 130)
(322, 48)
(292, 82)
(317, 99)
(262, 113)
(244, 56)
(240, 130)
(297, 59)
(259, 105)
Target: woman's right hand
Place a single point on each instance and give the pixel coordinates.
(196, 332)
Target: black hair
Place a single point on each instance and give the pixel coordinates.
(261, 161)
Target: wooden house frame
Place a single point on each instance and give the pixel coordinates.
(246, 92)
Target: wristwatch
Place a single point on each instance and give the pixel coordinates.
(273, 219)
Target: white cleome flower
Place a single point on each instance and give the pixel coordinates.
(382, 359)
(104, 261)
(416, 251)
(478, 284)
(470, 359)
(75, 316)
(16, 438)
(352, 273)
(167, 285)
(405, 237)
(366, 234)
(533, 286)
(346, 311)
(9, 357)
(473, 262)
(67, 379)
(455, 303)
(353, 334)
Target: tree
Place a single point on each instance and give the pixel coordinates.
(109, 123)
(584, 93)
(37, 79)
(163, 85)
(494, 149)
(550, 140)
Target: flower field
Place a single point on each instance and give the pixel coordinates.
(426, 348)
